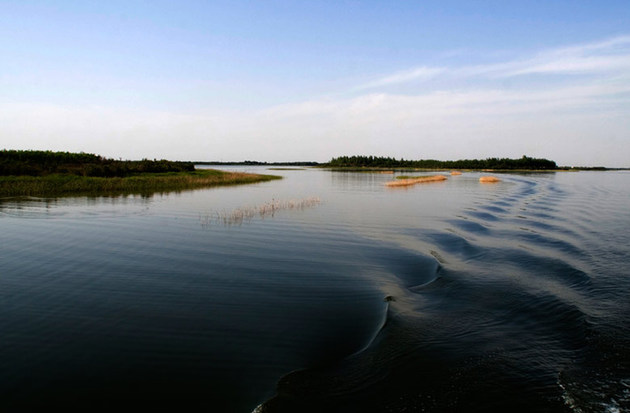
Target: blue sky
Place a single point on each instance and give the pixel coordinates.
(280, 81)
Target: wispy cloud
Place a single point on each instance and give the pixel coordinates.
(608, 56)
(611, 55)
(418, 74)
(574, 121)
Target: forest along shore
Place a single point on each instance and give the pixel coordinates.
(47, 173)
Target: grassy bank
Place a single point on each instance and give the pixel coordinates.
(147, 183)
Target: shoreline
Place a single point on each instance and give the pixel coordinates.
(149, 183)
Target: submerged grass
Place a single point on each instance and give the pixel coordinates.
(64, 185)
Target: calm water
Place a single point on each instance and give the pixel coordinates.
(451, 296)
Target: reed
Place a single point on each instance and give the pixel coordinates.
(455, 173)
(489, 179)
(148, 183)
(245, 214)
(415, 180)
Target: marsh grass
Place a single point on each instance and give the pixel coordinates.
(148, 183)
(408, 181)
(245, 214)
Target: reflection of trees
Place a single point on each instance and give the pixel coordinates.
(36, 207)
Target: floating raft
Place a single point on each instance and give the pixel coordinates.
(418, 180)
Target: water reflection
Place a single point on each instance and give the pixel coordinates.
(456, 296)
(34, 207)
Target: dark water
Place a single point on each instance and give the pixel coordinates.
(451, 296)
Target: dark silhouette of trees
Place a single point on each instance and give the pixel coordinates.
(40, 163)
(524, 162)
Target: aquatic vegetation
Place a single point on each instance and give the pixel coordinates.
(239, 215)
(489, 179)
(51, 174)
(415, 180)
(65, 185)
(455, 173)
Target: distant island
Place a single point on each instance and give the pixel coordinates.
(523, 163)
(48, 173)
(259, 163)
(361, 162)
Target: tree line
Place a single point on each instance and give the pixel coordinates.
(524, 162)
(259, 163)
(41, 163)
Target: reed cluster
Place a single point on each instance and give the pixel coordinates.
(244, 214)
(407, 181)
(489, 179)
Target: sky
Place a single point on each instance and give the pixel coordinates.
(311, 80)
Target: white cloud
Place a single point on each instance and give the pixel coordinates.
(567, 121)
(612, 55)
(608, 56)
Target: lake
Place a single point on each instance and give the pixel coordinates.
(322, 292)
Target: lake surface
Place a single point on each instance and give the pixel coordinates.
(322, 292)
